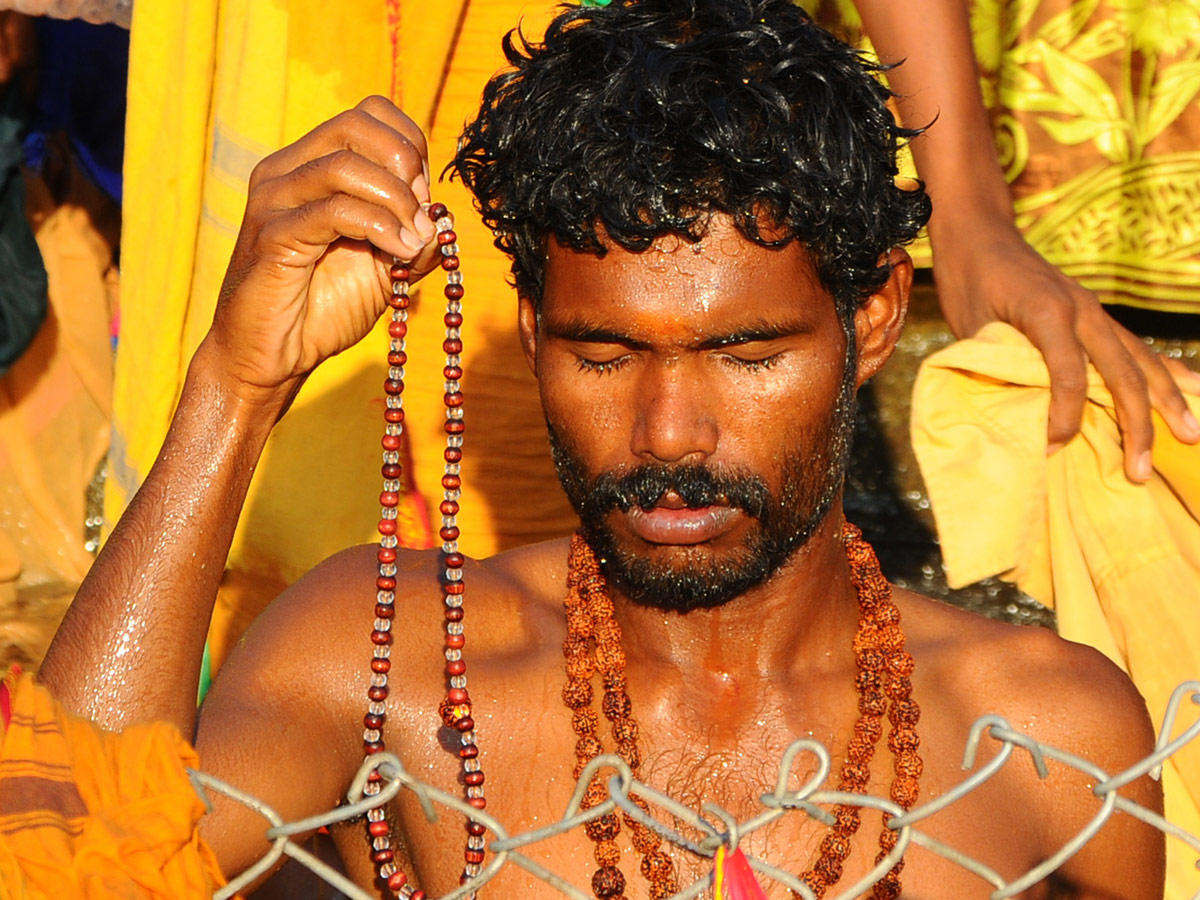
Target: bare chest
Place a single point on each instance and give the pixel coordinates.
(529, 759)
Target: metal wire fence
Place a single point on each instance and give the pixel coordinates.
(719, 827)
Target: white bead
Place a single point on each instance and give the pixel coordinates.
(371, 789)
(389, 512)
(391, 457)
(387, 570)
(454, 277)
(387, 598)
(378, 679)
(380, 843)
(458, 681)
(371, 734)
(454, 628)
(389, 541)
(376, 708)
(383, 624)
(375, 815)
(453, 655)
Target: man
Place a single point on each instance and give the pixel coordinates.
(699, 201)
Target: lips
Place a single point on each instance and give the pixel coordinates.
(667, 524)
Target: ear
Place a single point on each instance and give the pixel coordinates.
(527, 324)
(880, 316)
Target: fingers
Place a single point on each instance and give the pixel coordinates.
(345, 172)
(1187, 379)
(1129, 385)
(375, 130)
(1052, 330)
(372, 153)
(1165, 384)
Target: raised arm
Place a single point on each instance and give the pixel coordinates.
(985, 270)
(308, 278)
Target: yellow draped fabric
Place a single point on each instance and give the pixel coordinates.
(1119, 562)
(93, 815)
(1095, 107)
(55, 404)
(214, 86)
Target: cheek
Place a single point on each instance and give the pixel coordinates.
(589, 412)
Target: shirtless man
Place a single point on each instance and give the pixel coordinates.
(706, 240)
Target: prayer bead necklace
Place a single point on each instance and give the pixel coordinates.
(455, 709)
(883, 684)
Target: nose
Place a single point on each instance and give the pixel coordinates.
(675, 420)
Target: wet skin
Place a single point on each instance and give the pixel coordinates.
(731, 356)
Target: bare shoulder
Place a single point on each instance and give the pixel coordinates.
(1066, 696)
(1057, 689)
(320, 626)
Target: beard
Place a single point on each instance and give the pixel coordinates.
(810, 480)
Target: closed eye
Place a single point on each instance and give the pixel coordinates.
(753, 364)
(602, 366)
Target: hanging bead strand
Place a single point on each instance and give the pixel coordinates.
(455, 709)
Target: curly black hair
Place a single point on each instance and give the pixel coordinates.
(645, 117)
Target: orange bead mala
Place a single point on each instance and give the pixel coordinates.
(883, 684)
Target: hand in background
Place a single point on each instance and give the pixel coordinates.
(986, 272)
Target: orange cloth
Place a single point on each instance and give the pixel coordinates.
(86, 813)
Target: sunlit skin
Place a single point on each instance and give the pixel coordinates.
(725, 353)
(724, 357)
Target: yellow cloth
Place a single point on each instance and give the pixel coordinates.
(1120, 563)
(85, 813)
(216, 85)
(55, 404)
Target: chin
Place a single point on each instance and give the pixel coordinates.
(683, 578)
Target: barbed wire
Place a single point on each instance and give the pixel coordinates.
(718, 826)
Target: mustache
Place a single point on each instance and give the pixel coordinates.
(696, 485)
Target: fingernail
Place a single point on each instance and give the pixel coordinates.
(423, 225)
(412, 240)
(1144, 466)
(420, 188)
(1053, 448)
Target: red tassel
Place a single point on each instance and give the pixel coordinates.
(733, 879)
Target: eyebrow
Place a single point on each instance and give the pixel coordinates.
(582, 332)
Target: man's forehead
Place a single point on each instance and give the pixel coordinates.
(721, 281)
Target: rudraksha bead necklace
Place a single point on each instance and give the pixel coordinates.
(883, 684)
(456, 707)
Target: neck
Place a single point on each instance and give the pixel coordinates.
(801, 620)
